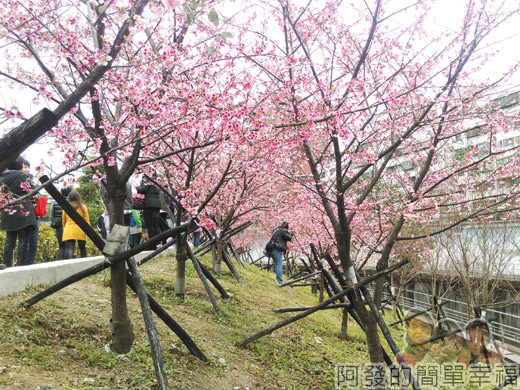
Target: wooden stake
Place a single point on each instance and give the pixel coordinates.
(226, 259)
(299, 279)
(205, 283)
(17, 140)
(153, 337)
(170, 322)
(290, 320)
(292, 309)
(207, 274)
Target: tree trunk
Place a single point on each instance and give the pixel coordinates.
(371, 329)
(216, 267)
(217, 258)
(378, 291)
(122, 328)
(371, 332)
(344, 325)
(182, 256)
(322, 285)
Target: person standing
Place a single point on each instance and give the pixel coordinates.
(57, 223)
(103, 224)
(136, 229)
(40, 209)
(18, 220)
(280, 236)
(155, 224)
(71, 231)
(196, 234)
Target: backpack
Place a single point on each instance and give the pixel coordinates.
(56, 223)
(269, 246)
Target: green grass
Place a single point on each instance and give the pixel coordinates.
(69, 331)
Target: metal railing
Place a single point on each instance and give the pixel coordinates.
(458, 311)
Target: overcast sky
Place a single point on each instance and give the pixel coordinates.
(446, 15)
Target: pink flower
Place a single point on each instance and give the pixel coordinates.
(26, 186)
(111, 161)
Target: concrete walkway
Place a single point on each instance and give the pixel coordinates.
(16, 279)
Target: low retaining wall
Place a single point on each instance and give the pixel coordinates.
(16, 279)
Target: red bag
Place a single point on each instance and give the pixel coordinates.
(41, 207)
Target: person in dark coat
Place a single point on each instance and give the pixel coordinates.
(103, 224)
(40, 209)
(155, 224)
(280, 237)
(18, 220)
(57, 225)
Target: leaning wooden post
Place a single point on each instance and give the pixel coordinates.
(337, 289)
(328, 283)
(230, 265)
(303, 308)
(170, 322)
(155, 346)
(334, 298)
(101, 266)
(299, 279)
(17, 140)
(207, 274)
(205, 283)
(72, 213)
(234, 253)
(344, 319)
(157, 251)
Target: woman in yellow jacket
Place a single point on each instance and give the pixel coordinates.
(71, 231)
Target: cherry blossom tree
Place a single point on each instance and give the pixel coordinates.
(58, 51)
(163, 95)
(367, 97)
(377, 101)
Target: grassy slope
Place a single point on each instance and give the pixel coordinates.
(61, 341)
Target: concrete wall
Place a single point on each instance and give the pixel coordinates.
(16, 279)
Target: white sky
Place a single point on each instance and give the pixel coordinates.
(446, 15)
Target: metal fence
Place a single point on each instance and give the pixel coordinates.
(504, 326)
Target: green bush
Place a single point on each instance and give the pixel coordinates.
(48, 246)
